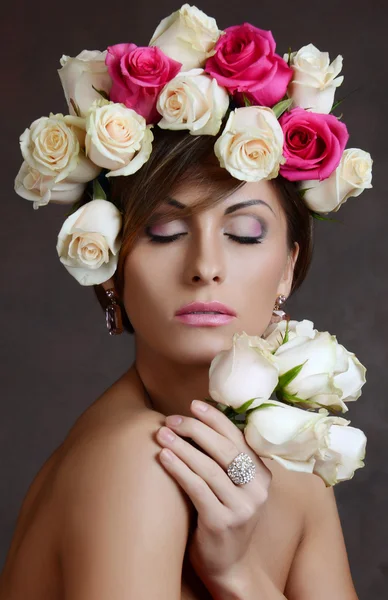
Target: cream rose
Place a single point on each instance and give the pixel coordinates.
(42, 189)
(80, 75)
(344, 454)
(315, 79)
(117, 138)
(188, 35)
(289, 434)
(89, 242)
(193, 100)
(330, 375)
(243, 372)
(52, 146)
(250, 146)
(352, 176)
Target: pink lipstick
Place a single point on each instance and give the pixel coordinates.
(205, 314)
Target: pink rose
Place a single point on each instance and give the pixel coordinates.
(138, 75)
(245, 61)
(313, 144)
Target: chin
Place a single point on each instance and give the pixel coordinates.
(201, 345)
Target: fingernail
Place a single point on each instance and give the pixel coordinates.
(174, 420)
(198, 405)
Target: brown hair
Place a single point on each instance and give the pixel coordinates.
(180, 157)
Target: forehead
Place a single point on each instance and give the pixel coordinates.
(253, 190)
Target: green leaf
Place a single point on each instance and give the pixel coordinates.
(244, 407)
(98, 192)
(320, 217)
(281, 107)
(289, 56)
(75, 107)
(289, 376)
(285, 338)
(264, 405)
(282, 396)
(247, 102)
(101, 92)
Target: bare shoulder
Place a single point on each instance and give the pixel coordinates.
(117, 507)
(321, 552)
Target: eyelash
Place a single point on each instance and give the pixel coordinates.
(165, 239)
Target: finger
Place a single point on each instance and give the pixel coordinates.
(202, 466)
(205, 502)
(219, 447)
(216, 419)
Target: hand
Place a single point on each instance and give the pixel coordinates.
(227, 513)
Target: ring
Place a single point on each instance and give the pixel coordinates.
(242, 469)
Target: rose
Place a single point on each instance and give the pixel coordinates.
(42, 189)
(80, 75)
(306, 441)
(245, 371)
(188, 35)
(117, 138)
(51, 146)
(351, 178)
(345, 453)
(313, 144)
(138, 75)
(314, 80)
(250, 146)
(245, 61)
(330, 375)
(193, 100)
(88, 242)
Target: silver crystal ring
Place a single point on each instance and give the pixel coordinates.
(242, 469)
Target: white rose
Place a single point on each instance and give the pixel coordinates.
(188, 35)
(52, 146)
(345, 453)
(315, 80)
(78, 77)
(349, 374)
(250, 146)
(193, 100)
(274, 334)
(42, 189)
(352, 176)
(330, 375)
(117, 138)
(291, 436)
(243, 372)
(89, 242)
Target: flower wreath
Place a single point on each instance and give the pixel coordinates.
(276, 115)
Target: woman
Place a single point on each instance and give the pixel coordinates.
(108, 516)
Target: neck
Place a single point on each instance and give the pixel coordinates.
(171, 386)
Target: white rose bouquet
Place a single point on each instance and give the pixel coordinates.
(305, 369)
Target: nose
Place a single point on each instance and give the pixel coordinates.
(205, 261)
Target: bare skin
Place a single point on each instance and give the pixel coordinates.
(172, 363)
(33, 568)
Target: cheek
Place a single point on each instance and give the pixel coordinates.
(259, 281)
(145, 286)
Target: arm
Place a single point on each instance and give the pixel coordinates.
(320, 569)
(124, 522)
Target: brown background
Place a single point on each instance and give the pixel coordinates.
(56, 356)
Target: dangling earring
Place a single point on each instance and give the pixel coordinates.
(113, 316)
(278, 314)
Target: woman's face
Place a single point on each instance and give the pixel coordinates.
(229, 253)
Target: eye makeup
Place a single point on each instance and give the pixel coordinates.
(253, 229)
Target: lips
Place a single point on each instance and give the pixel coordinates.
(206, 307)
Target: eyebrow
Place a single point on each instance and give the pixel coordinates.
(230, 209)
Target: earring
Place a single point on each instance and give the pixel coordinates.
(278, 314)
(113, 316)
